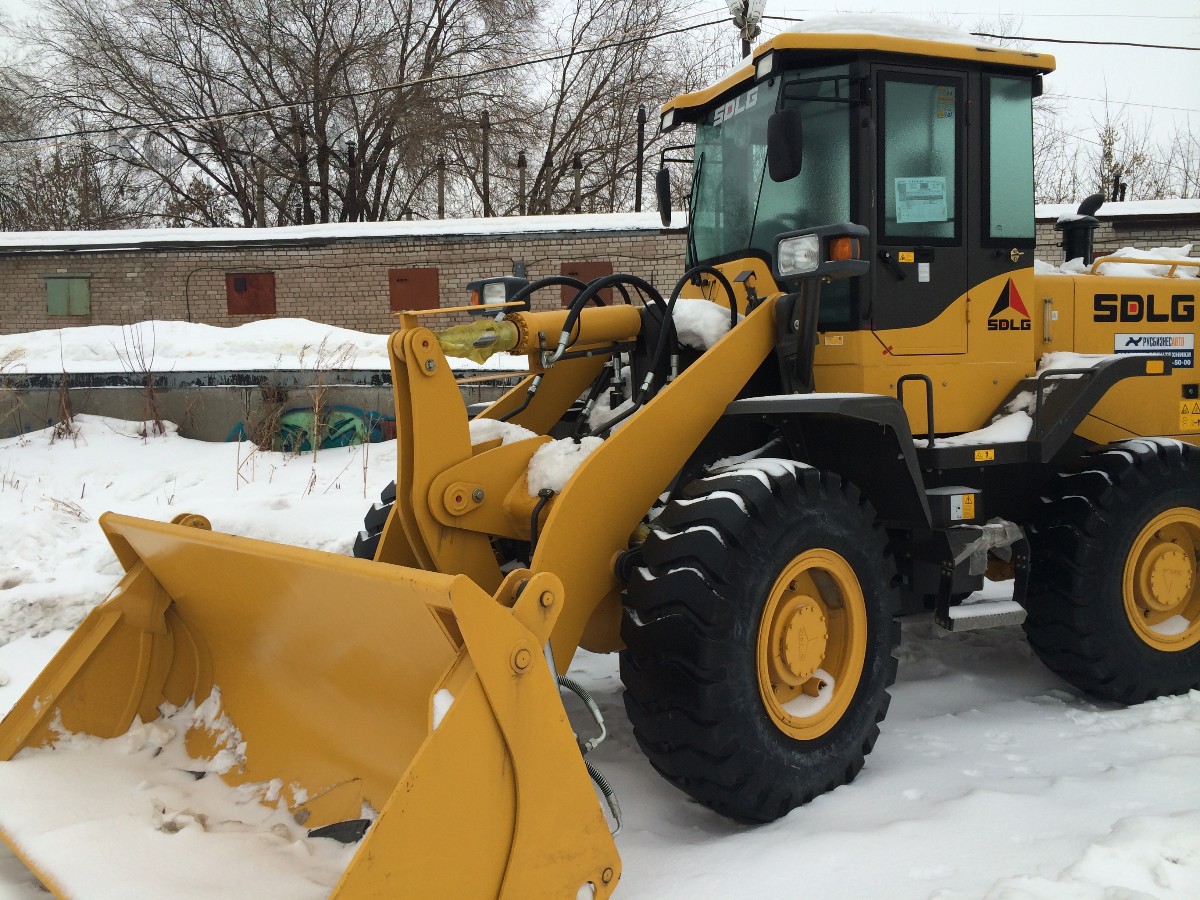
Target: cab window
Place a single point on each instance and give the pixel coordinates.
(918, 194)
(1009, 172)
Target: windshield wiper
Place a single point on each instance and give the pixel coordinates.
(691, 257)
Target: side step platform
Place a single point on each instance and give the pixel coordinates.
(984, 614)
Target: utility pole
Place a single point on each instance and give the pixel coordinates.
(351, 181)
(522, 164)
(487, 175)
(641, 158)
(441, 185)
(747, 16)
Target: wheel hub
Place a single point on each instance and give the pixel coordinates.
(1167, 577)
(811, 643)
(1162, 599)
(798, 639)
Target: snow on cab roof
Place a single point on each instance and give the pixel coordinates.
(885, 34)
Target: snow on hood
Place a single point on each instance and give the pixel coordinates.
(1153, 267)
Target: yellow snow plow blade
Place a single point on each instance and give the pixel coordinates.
(328, 666)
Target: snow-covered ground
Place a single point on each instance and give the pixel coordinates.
(158, 346)
(991, 779)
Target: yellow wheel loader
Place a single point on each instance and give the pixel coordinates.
(857, 401)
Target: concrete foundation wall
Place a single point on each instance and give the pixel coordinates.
(278, 414)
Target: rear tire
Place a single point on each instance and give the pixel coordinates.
(367, 541)
(1114, 605)
(759, 638)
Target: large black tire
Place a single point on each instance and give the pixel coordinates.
(765, 568)
(1114, 572)
(367, 541)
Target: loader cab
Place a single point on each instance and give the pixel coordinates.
(927, 144)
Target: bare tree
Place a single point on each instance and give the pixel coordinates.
(612, 59)
(181, 74)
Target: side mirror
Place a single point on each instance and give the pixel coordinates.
(662, 190)
(785, 144)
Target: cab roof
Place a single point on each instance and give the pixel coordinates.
(836, 35)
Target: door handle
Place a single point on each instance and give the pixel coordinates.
(894, 267)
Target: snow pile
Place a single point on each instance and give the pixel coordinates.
(553, 464)
(49, 241)
(137, 817)
(1064, 359)
(992, 778)
(161, 346)
(1006, 429)
(889, 26)
(1149, 269)
(1118, 210)
(484, 430)
(56, 564)
(700, 323)
(1156, 265)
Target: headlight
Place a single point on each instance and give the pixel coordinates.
(668, 120)
(764, 66)
(494, 292)
(827, 252)
(798, 255)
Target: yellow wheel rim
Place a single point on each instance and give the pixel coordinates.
(1160, 584)
(812, 642)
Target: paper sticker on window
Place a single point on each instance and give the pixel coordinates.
(921, 200)
(944, 103)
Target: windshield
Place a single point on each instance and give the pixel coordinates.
(736, 207)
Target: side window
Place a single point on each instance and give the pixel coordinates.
(1009, 171)
(920, 171)
(68, 295)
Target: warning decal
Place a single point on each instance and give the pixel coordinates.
(1189, 415)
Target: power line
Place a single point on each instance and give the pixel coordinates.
(1042, 40)
(1186, 109)
(548, 56)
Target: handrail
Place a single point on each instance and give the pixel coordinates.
(928, 399)
(1173, 263)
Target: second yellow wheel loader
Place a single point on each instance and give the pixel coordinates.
(738, 486)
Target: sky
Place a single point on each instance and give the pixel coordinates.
(1159, 86)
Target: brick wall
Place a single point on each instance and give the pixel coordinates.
(342, 283)
(1117, 230)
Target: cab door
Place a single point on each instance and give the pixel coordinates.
(920, 274)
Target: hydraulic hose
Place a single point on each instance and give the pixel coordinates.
(668, 335)
(594, 287)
